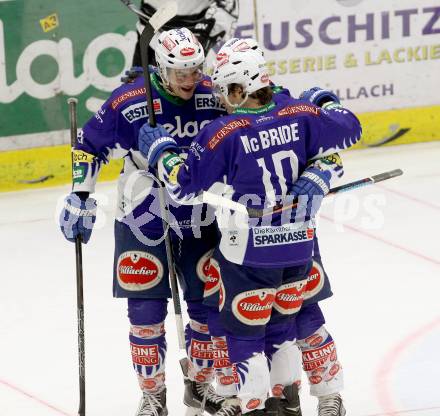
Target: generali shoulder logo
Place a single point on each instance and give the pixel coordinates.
(227, 129)
(298, 109)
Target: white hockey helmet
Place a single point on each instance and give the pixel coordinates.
(240, 61)
(179, 49)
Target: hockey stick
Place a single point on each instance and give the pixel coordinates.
(219, 201)
(134, 9)
(257, 213)
(162, 15)
(72, 102)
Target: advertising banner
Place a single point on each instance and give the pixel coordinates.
(52, 50)
(381, 58)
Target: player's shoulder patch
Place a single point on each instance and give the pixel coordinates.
(223, 127)
(297, 107)
(127, 93)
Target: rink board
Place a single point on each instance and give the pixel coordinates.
(382, 59)
(50, 166)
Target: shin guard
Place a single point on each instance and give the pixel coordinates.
(320, 362)
(253, 382)
(200, 353)
(148, 351)
(147, 342)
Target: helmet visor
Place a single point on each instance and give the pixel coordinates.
(185, 76)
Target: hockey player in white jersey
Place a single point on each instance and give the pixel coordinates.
(210, 20)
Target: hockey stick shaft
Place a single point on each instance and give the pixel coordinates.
(72, 102)
(147, 34)
(343, 188)
(134, 9)
(367, 181)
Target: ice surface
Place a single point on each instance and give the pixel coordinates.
(384, 264)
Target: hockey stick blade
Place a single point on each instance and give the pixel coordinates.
(162, 15)
(134, 9)
(387, 175)
(367, 181)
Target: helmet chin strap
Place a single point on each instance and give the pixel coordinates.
(226, 97)
(166, 85)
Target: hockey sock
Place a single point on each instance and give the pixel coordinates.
(283, 355)
(320, 362)
(148, 351)
(147, 342)
(253, 382)
(224, 372)
(200, 352)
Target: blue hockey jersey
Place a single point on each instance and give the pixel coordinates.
(253, 157)
(113, 133)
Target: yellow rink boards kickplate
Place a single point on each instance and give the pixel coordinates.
(50, 166)
(43, 167)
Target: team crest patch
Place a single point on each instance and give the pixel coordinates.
(315, 281)
(254, 307)
(219, 136)
(137, 270)
(290, 297)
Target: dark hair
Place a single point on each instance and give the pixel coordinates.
(263, 95)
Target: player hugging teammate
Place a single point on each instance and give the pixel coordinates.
(270, 149)
(266, 152)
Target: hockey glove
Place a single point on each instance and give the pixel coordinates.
(77, 217)
(131, 74)
(310, 188)
(319, 96)
(153, 141)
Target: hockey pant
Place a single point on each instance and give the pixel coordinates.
(258, 315)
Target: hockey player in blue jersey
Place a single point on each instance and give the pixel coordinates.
(183, 104)
(256, 156)
(325, 374)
